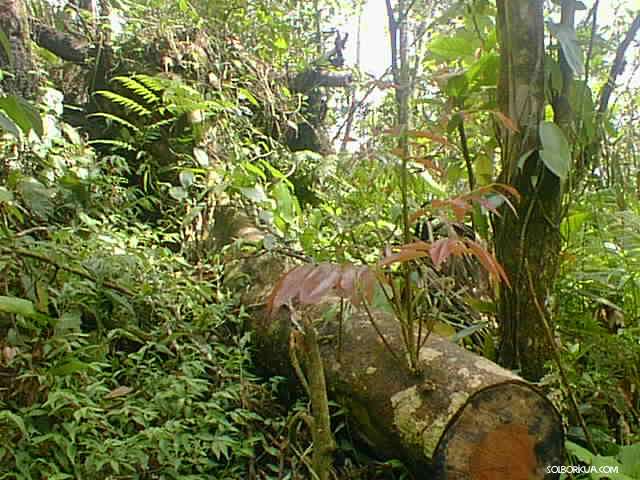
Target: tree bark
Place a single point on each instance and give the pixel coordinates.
(463, 418)
(530, 239)
(65, 46)
(618, 65)
(18, 62)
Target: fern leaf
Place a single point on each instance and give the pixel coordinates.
(116, 119)
(131, 84)
(114, 143)
(127, 103)
(152, 83)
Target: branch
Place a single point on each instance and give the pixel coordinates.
(393, 35)
(76, 271)
(65, 46)
(314, 78)
(618, 65)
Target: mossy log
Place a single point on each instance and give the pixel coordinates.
(463, 417)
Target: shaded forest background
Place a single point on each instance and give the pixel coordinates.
(150, 148)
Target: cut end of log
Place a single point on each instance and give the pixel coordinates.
(506, 452)
(507, 431)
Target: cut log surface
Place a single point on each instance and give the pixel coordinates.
(462, 418)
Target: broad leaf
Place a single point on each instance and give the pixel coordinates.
(201, 157)
(186, 178)
(67, 368)
(449, 48)
(22, 113)
(6, 196)
(178, 193)
(566, 35)
(36, 196)
(555, 152)
(9, 125)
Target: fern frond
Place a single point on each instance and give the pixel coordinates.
(127, 103)
(156, 84)
(161, 123)
(131, 84)
(114, 143)
(116, 119)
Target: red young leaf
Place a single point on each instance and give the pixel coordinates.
(486, 203)
(443, 248)
(419, 245)
(287, 288)
(319, 282)
(459, 205)
(364, 286)
(488, 261)
(348, 280)
(403, 256)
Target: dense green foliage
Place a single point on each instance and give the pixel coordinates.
(123, 346)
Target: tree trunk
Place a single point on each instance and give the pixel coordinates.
(18, 62)
(527, 244)
(463, 418)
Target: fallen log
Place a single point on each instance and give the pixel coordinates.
(462, 418)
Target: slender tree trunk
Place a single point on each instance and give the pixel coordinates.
(530, 240)
(17, 63)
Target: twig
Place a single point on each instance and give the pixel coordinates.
(76, 271)
(558, 361)
(464, 144)
(293, 346)
(379, 332)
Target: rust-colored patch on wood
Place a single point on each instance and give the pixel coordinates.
(506, 452)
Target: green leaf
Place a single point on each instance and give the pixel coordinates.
(573, 223)
(201, 157)
(21, 306)
(553, 74)
(6, 196)
(17, 306)
(7, 415)
(6, 46)
(255, 194)
(67, 368)
(245, 94)
(629, 457)
(579, 452)
(22, 113)
(9, 125)
(36, 196)
(555, 151)
(566, 35)
(457, 86)
(448, 48)
(483, 167)
(68, 321)
(281, 44)
(178, 193)
(581, 101)
(186, 178)
(484, 72)
(287, 204)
